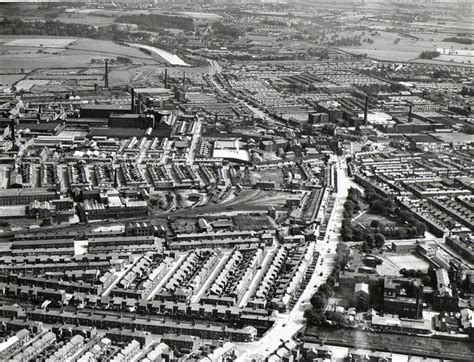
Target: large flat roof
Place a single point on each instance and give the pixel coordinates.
(118, 107)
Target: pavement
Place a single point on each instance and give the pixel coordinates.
(289, 324)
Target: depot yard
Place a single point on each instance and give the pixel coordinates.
(394, 263)
(410, 345)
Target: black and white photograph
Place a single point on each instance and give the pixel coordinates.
(235, 180)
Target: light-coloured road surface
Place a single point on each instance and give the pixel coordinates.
(288, 324)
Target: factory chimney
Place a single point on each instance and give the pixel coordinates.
(12, 126)
(106, 75)
(133, 101)
(366, 109)
(166, 78)
(184, 86)
(410, 113)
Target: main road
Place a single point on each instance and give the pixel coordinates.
(289, 324)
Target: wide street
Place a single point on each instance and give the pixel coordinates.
(288, 324)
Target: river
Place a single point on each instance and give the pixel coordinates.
(171, 58)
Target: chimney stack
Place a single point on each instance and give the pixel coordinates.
(106, 76)
(366, 108)
(166, 78)
(12, 126)
(133, 101)
(184, 86)
(410, 113)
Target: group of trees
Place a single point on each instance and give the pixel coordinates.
(227, 30)
(429, 54)
(418, 228)
(374, 234)
(352, 203)
(155, 22)
(15, 26)
(317, 314)
(459, 40)
(426, 278)
(377, 203)
(345, 41)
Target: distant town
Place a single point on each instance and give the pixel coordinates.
(233, 180)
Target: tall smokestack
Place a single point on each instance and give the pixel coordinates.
(12, 126)
(410, 113)
(184, 86)
(166, 78)
(106, 76)
(366, 108)
(133, 101)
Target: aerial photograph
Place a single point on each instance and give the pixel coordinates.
(237, 180)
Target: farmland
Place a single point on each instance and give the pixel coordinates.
(392, 46)
(27, 53)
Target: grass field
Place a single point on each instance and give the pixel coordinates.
(85, 19)
(77, 54)
(367, 217)
(37, 42)
(385, 47)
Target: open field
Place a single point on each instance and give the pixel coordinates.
(386, 46)
(7, 78)
(79, 54)
(367, 217)
(38, 42)
(82, 18)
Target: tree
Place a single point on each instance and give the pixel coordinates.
(420, 227)
(378, 206)
(337, 318)
(370, 239)
(365, 247)
(379, 240)
(429, 54)
(400, 233)
(375, 224)
(349, 205)
(314, 317)
(331, 281)
(326, 290)
(319, 301)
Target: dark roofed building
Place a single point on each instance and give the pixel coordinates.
(103, 110)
